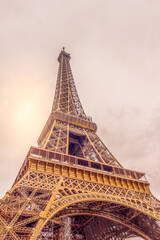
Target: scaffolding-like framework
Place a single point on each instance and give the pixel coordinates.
(71, 187)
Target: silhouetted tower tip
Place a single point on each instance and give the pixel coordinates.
(64, 54)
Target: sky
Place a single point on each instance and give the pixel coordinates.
(115, 55)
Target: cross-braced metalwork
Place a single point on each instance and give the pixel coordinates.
(72, 187)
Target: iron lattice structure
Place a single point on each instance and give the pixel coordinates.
(71, 186)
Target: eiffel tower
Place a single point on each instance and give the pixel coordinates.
(71, 187)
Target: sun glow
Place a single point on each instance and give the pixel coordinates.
(25, 117)
(25, 120)
(24, 110)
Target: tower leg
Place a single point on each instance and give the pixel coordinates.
(66, 231)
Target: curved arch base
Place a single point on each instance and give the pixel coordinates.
(118, 220)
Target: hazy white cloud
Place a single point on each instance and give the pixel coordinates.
(115, 55)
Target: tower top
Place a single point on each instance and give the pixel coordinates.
(64, 54)
(66, 99)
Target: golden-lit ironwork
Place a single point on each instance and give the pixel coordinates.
(71, 186)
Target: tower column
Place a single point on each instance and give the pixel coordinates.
(66, 230)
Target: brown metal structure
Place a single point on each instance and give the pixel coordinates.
(71, 186)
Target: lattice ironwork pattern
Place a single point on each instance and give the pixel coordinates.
(71, 187)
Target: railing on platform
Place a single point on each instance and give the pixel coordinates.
(85, 163)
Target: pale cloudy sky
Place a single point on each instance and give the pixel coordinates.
(115, 50)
